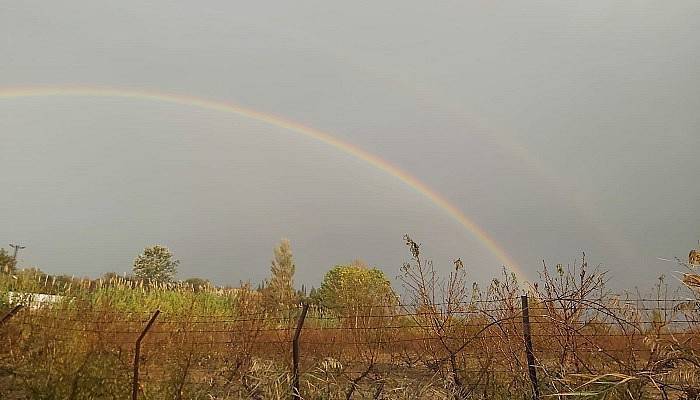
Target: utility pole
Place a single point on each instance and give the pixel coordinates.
(17, 248)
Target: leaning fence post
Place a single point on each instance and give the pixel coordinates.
(528, 348)
(295, 354)
(137, 354)
(10, 313)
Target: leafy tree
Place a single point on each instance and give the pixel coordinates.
(197, 283)
(311, 298)
(355, 286)
(7, 263)
(279, 290)
(156, 264)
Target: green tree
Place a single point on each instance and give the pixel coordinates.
(156, 264)
(354, 287)
(197, 283)
(279, 290)
(7, 263)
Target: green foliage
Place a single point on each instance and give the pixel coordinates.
(7, 263)
(172, 301)
(354, 285)
(279, 290)
(24, 280)
(197, 283)
(156, 264)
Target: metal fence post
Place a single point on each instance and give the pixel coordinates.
(528, 348)
(10, 313)
(137, 354)
(296, 395)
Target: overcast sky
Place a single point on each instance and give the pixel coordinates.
(558, 127)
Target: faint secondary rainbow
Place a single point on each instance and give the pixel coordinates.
(227, 107)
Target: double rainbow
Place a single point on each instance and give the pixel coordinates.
(231, 108)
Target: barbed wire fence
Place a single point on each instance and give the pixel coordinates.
(544, 347)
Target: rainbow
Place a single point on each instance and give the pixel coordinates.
(231, 108)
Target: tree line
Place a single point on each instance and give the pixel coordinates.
(344, 285)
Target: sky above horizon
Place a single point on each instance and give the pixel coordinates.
(558, 127)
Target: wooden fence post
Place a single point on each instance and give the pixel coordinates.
(528, 348)
(296, 395)
(137, 355)
(10, 313)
